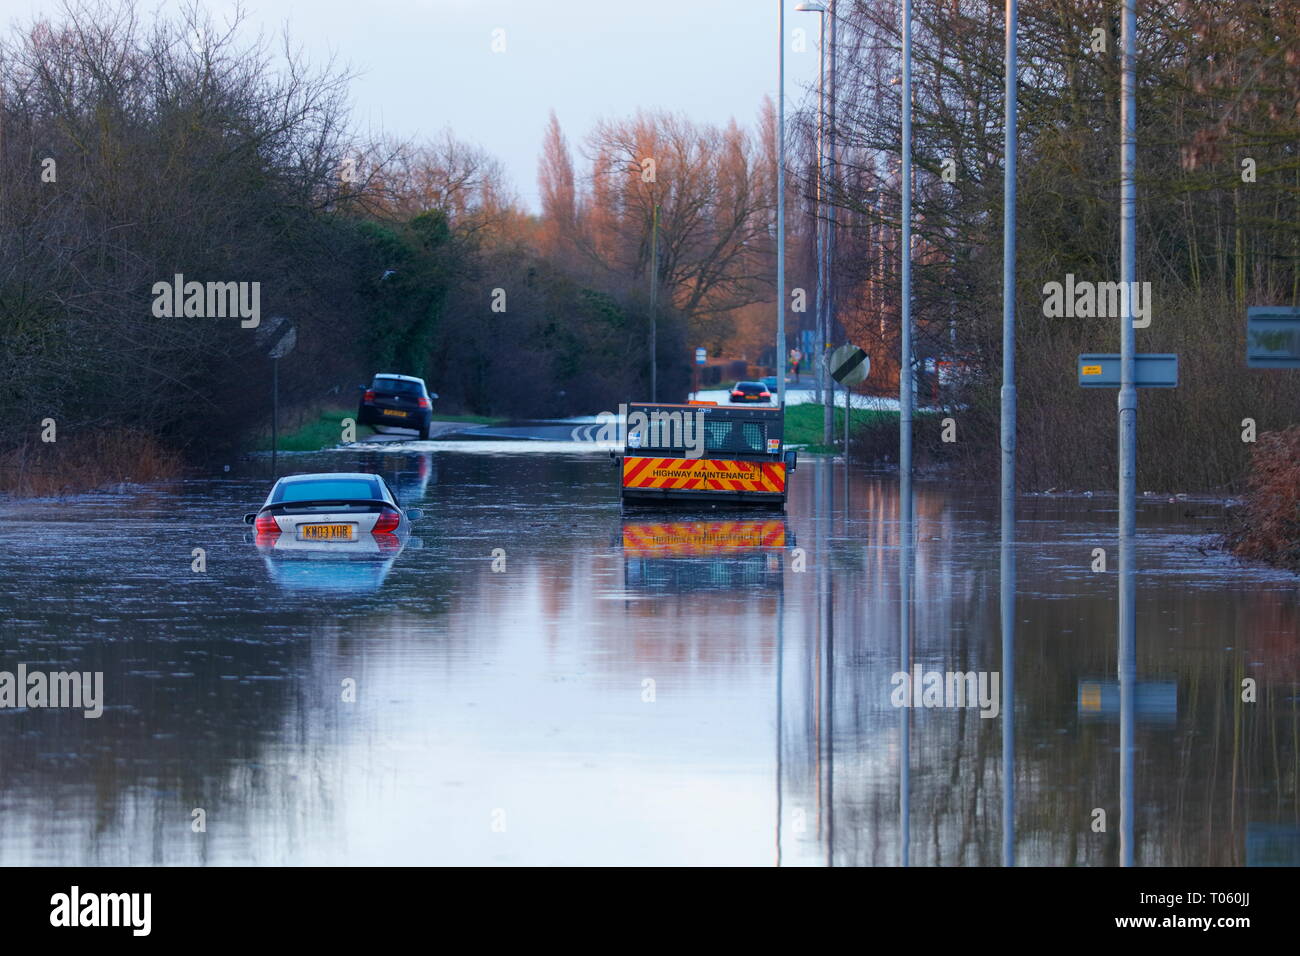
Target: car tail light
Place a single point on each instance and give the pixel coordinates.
(737, 392)
(369, 396)
(266, 524)
(387, 523)
(764, 394)
(424, 402)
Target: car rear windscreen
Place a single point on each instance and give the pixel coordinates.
(397, 386)
(331, 489)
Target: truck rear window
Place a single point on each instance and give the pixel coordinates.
(735, 436)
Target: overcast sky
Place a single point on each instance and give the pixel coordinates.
(429, 64)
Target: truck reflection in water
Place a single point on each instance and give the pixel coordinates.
(704, 555)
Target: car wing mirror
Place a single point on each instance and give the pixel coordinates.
(250, 517)
(432, 396)
(792, 459)
(414, 514)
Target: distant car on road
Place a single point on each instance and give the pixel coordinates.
(400, 401)
(750, 392)
(343, 511)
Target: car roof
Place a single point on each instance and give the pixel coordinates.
(328, 475)
(402, 378)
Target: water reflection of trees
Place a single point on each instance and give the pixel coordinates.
(1202, 780)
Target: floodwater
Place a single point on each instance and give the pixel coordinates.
(537, 680)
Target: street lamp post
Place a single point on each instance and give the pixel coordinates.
(906, 382)
(1007, 597)
(823, 379)
(832, 171)
(780, 203)
(654, 290)
(1127, 426)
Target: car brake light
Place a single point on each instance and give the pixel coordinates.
(266, 524)
(387, 523)
(737, 392)
(424, 402)
(369, 396)
(764, 394)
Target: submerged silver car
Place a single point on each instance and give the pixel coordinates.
(340, 511)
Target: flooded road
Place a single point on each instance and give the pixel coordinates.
(536, 680)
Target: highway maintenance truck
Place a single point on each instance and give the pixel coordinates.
(702, 453)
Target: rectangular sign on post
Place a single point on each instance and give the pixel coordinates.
(1272, 337)
(1150, 370)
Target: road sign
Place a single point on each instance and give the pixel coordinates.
(1150, 370)
(701, 357)
(849, 365)
(278, 336)
(1154, 700)
(1272, 337)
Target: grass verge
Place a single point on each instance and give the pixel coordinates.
(325, 429)
(804, 424)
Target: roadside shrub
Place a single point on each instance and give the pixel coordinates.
(1269, 527)
(84, 462)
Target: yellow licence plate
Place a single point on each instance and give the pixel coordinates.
(327, 532)
(394, 412)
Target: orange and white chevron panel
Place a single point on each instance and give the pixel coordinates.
(704, 474)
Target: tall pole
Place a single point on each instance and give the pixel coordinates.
(830, 216)
(906, 383)
(780, 203)
(1008, 576)
(823, 359)
(905, 386)
(654, 289)
(1127, 422)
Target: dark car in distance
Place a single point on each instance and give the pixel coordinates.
(397, 401)
(751, 392)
